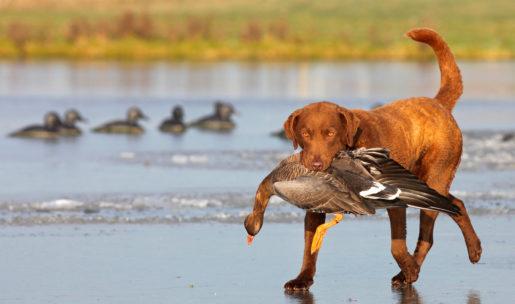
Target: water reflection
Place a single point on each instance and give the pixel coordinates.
(306, 81)
(300, 297)
(407, 295)
(473, 297)
(410, 295)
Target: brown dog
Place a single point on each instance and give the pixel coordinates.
(421, 134)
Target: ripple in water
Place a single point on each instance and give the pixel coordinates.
(482, 150)
(179, 208)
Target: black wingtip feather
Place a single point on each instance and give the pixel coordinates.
(415, 192)
(429, 201)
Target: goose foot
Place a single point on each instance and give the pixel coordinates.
(318, 238)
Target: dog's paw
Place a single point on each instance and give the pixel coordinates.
(408, 274)
(474, 249)
(298, 284)
(398, 280)
(411, 273)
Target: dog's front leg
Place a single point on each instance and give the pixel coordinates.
(408, 265)
(305, 278)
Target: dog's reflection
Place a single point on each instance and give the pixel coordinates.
(405, 295)
(473, 297)
(408, 295)
(300, 297)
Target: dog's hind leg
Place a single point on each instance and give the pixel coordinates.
(425, 239)
(469, 234)
(424, 243)
(439, 177)
(408, 265)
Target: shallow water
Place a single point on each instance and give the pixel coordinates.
(199, 177)
(211, 263)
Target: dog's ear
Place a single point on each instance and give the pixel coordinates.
(351, 124)
(289, 127)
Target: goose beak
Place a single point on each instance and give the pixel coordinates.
(250, 239)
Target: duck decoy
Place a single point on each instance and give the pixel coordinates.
(376, 105)
(128, 126)
(507, 137)
(357, 182)
(49, 129)
(68, 127)
(175, 124)
(219, 121)
(280, 134)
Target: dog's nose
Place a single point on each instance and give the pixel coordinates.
(317, 165)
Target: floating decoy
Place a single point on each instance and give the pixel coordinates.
(357, 182)
(175, 124)
(507, 137)
(219, 121)
(281, 134)
(49, 129)
(376, 105)
(68, 127)
(128, 126)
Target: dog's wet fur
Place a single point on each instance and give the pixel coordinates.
(421, 135)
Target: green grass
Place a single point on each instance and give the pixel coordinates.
(252, 30)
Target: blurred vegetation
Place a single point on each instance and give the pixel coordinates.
(250, 29)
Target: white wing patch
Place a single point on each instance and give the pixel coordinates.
(377, 188)
(394, 196)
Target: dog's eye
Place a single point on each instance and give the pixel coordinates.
(331, 133)
(305, 134)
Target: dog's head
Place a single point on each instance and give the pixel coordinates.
(321, 129)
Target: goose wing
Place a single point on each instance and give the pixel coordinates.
(321, 192)
(354, 175)
(414, 192)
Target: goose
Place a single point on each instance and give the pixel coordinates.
(219, 121)
(49, 129)
(357, 182)
(128, 126)
(175, 124)
(68, 127)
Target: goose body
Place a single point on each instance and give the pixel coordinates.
(358, 182)
(219, 121)
(129, 126)
(175, 124)
(49, 129)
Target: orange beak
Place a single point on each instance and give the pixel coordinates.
(250, 239)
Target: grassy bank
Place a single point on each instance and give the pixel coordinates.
(251, 29)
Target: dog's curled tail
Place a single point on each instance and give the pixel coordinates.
(451, 86)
